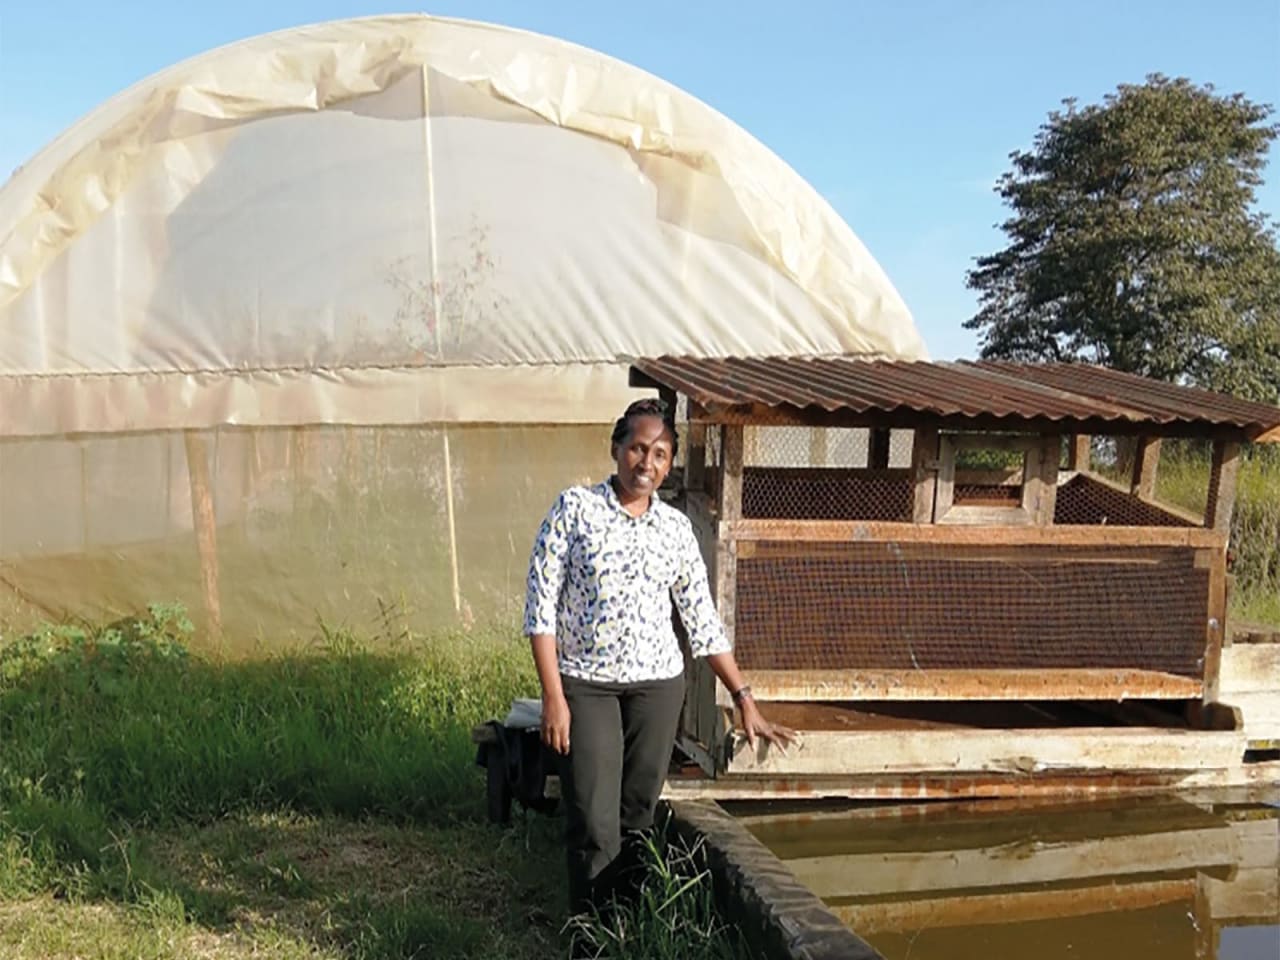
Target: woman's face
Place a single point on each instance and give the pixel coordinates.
(644, 459)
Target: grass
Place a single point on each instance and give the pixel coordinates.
(1183, 479)
(320, 804)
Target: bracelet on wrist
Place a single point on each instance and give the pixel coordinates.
(741, 694)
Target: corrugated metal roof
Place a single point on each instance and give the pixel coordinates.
(959, 390)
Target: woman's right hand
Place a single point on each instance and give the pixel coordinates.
(555, 723)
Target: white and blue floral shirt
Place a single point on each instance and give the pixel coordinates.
(603, 582)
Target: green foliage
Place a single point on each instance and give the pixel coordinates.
(674, 916)
(123, 719)
(1183, 478)
(137, 774)
(1133, 242)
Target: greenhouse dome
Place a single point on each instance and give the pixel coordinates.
(317, 323)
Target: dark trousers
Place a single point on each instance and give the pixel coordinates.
(620, 741)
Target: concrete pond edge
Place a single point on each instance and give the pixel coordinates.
(775, 912)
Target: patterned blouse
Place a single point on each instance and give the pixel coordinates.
(602, 581)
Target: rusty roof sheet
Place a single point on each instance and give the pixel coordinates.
(1071, 392)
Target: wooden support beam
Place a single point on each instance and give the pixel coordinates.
(1222, 485)
(875, 530)
(914, 787)
(695, 466)
(205, 525)
(924, 473)
(711, 718)
(1146, 460)
(1041, 496)
(1007, 684)
(1215, 624)
(878, 448)
(731, 458)
(1080, 452)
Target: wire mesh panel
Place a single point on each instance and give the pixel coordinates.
(772, 493)
(1082, 500)
(905, 606)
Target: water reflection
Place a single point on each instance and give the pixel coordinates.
(1133, 879)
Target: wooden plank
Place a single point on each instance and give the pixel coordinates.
(926, 786)
(1080, 453)
(1080, 554)
(998, 750)
(924, 532)
(1223, 471)
(1249, 668)
(878, 448)
(1022, 906)
(205, 524)
(924, 473)
(1020, 864)
(1146, 461)
(976, 516)
(1057, 684)
(1260, 713)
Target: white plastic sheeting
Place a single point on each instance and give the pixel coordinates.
(403, 220)
(312, 326)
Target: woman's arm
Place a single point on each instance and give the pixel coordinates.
(753, 722)
(555, 709)
(542, 599)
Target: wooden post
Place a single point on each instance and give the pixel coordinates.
(711, 719)
(924, 472)
(206, 529)
(878, 448)
(731, 453)
(1146, 458)
(695, 458)
(1216, 624)
(751, 445)
(1080, 452)
(1044, 479)
(1222, 485)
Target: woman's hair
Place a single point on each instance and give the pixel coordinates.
(649, 407)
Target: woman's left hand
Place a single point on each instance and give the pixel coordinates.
(755, 725)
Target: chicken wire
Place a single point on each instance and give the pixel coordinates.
(904, 606)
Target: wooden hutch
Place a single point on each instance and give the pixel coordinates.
(958, 605)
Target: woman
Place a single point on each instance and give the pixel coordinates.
(606, 567)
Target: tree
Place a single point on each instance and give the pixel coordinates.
(1134, 243)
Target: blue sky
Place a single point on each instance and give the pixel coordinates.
(901, 114)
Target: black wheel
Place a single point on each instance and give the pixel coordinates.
(497, 790)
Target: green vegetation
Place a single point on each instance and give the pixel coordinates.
(1134, 241)
(1183, 478)
(319, 804)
